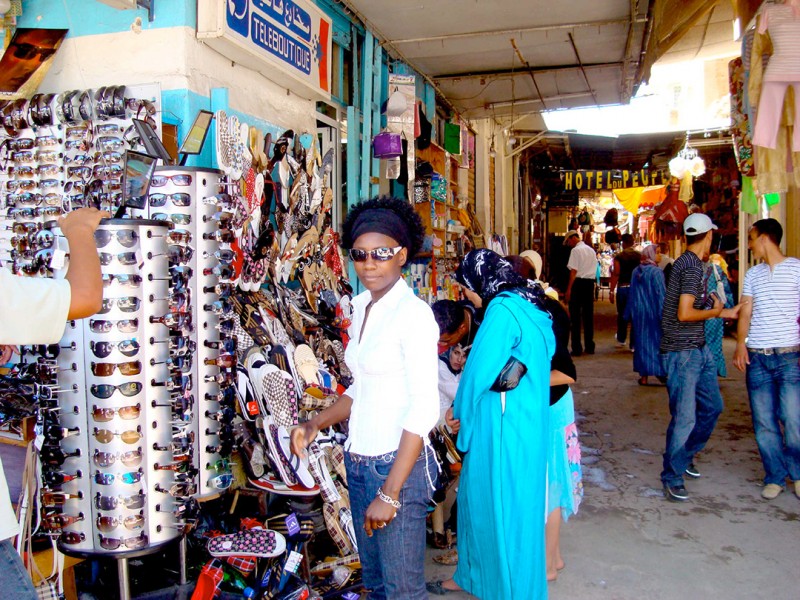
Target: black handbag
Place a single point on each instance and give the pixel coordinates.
(509, 376)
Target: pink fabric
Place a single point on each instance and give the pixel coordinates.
(769, 115)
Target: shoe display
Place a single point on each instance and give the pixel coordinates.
(676, 493)
(772, 491)
(692, 471)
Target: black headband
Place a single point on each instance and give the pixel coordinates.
(385, 221)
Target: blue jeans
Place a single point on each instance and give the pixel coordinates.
(773, 383)
(393, 559)
(14, 579)
(694, 404)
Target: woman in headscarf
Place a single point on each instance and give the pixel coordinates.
(392, 404)
(564, 477)
(645, 305)
(717, 282)
(504, 438)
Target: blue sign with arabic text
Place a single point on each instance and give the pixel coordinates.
(239, 16)
(276, 42)
(288, 14)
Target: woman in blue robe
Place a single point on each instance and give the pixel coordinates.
(645, 306)
(501, 496)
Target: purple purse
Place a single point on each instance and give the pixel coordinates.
(387, 145)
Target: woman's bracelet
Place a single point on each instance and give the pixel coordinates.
(388, 499)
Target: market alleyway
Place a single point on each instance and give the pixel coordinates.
(628, 542)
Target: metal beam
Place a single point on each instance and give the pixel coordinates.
(580, 63)
(518, 31)
(537, 70)
(504, 103)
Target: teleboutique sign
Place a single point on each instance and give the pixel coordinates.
(613, 179)
(288, 41)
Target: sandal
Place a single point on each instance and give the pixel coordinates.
(436, 587)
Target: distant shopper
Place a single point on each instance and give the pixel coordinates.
(769, 348)
(644, 310)
(717, 281)
(35, 311)
(695, 402)
(619, 286)
(582, 267)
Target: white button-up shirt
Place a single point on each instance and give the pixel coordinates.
(583, 259)
(395, 371)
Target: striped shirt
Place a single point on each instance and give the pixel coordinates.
(776, 304)
(686, 278)
(784, 32)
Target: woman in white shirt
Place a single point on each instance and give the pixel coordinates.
(392, 404)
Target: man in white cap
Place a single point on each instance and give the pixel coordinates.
(695, 401)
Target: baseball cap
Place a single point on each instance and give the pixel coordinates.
(571, 234)
(697, 223)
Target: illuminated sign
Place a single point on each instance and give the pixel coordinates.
(613, 179)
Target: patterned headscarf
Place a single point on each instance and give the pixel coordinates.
(649, 255)
(487, 274)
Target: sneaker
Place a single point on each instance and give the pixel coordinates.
(692, 471)
(676, 493)
(772, 491)
(618, 344)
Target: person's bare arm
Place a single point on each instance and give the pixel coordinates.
(687, 313)
(741, 358)
(559, 378)
(573, 273)
(83, 273)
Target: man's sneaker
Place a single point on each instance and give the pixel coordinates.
(692, 471)
(771, 491)
(618, 344)
(676, 493)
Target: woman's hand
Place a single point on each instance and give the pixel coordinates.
(302, 436)
(379, 514)
(453, 423)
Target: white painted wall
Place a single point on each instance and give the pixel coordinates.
(174, 58)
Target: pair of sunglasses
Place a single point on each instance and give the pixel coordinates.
(378, 254)
(134, 502)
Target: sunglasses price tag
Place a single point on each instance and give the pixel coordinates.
(59, 259)
(293, 561)
(38, 441)
(292, 526)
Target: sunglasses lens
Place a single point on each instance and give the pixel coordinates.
(129, 412)
(127, 258)
(181, 199)
(131, 477)
(134, 522)
(103, 415)
(103, 369)
(72, 537)
(106, 524)
(131, 388)
(104, 459)
(110, 543)
(131, 437)
(105, 502)
(102, 391)
(104, 478)
(134, 502)
(104, 436)
(100, 326)
(357, 255)
(128, 326)
(132, 458)
(130, 368)
(102, 237)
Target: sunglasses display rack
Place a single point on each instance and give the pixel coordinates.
(127, 442)
(59, 152)
(196, 241)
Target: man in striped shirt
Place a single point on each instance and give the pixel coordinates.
(695, 402)
(768, 347)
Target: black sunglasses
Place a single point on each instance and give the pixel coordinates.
(378, 254)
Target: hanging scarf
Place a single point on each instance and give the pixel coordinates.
(487, 274)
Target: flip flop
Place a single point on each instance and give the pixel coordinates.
(269, 483)
(306, 364)
(278, 399)
(330, 563)
(209, 580)
(262, 543)
(330, 511)
(318, 466)
(297, 464)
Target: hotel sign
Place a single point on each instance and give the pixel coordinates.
(288, 41)
(612, 179)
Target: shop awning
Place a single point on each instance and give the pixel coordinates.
(642, 197)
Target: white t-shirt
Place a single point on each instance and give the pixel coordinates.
(583, 259)
(776, 304)
(448, 386)
(395, 373)
(32, 311)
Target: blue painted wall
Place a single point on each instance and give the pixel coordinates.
(90, 17)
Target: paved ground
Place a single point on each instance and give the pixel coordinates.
(628, 542)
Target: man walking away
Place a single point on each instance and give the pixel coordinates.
(695, 402)
(582, 267)
(768, 347)
(620, 283)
